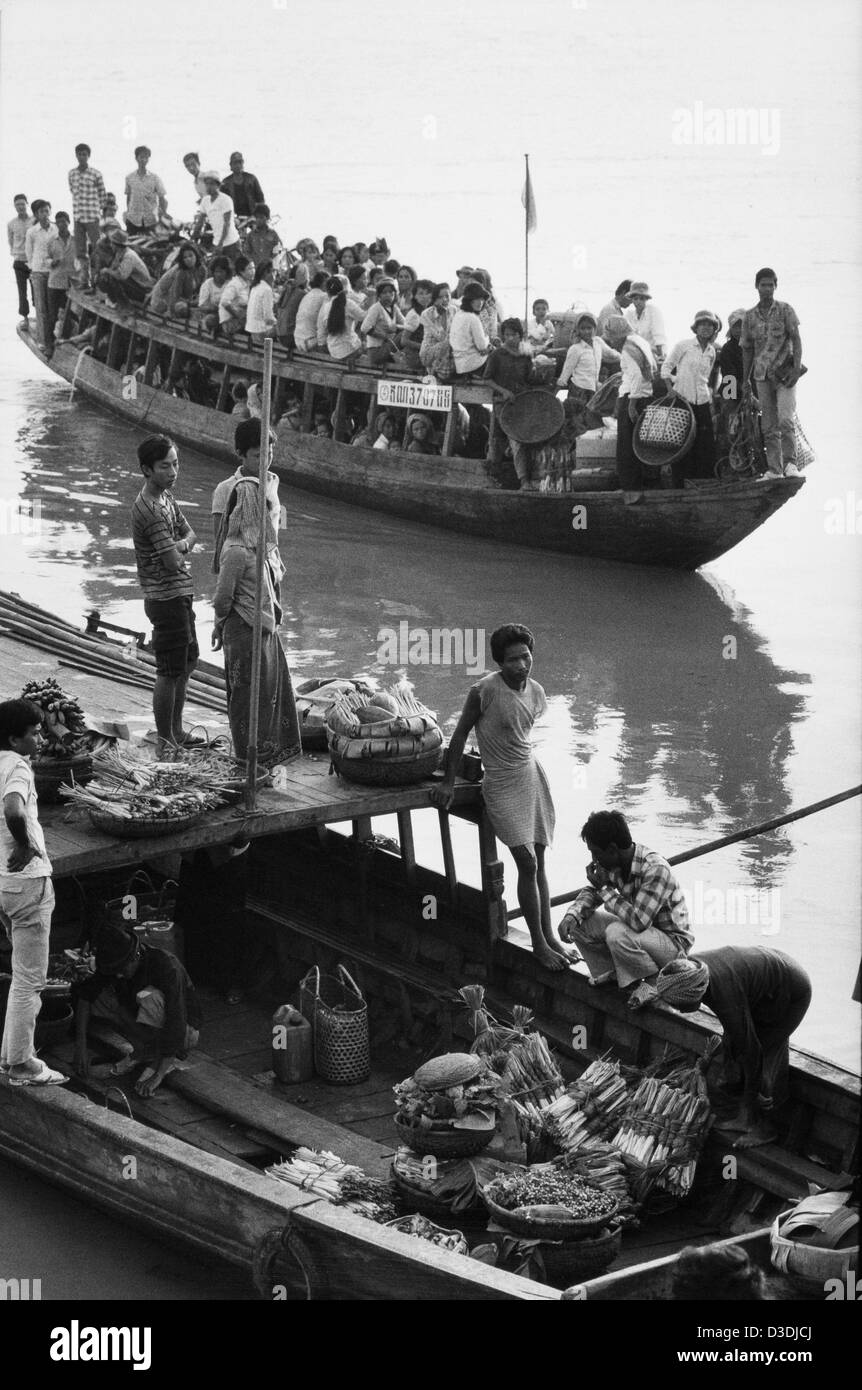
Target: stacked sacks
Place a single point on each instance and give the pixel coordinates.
(387, 739)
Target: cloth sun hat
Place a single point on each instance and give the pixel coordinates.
(706, 316)
(119, 237)
(616, 325)
(114, 950)
(735, 316)
(211, 174)
(640, 287)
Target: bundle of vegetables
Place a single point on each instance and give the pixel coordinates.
(63, 725)
(449, 1183)
(141, 806)
(603, 1166)
(663, 1123)
(545, 1185)
(202, 770)
(590, 1108)
(457, 1091)
(328, 1176)
(491, 1038)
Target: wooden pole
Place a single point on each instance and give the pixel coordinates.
(257, 631)
(526, 239)
(733, 839)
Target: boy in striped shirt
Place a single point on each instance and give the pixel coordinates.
(163, 541)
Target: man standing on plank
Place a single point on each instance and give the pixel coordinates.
(772, 356)
(163, 541)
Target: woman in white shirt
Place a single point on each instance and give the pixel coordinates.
(234, 299)
(342, 341)
(260, 316)
(467, 338)
(414, 328)
(305, 329)
(382, 324)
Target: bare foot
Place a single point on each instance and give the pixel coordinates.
(608, 978)
(548, 958)
(761, 1133)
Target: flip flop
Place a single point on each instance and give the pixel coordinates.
(43, 1077)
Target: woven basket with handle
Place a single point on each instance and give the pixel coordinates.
(664, 432)
(338, 1014)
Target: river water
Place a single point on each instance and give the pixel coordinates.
(697, 703)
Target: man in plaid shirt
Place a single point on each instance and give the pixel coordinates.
(88, 202)
(633, 918)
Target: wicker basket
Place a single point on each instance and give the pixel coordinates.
(531, 1223)
(444, 1142)
(532, 416)
(339, 1016)
(140, 829)
(312, 708)
(578, 1260)
(50, 774)
(398, 771)
(664, 432)
(416, 1199)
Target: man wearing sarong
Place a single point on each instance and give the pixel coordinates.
(632, 919)
(502, 708)
(760, 997)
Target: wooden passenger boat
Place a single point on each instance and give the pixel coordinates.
(679, 528)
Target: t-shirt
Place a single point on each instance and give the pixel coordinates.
(214, 210)
(260, 315)
(209, 296)
(513, 371)
(156, 527)
(305, 330)
(261, 246)
(234, 297)
(16, 775)
(466, 338)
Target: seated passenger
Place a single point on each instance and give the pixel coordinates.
(239, 396)
(329, 257)
(511, 371)
(347, 259)
(233, 304)
(288, 306)
(210, 293)
(260, 242)
(420, 435)
(382, 324)
(491, 314)
(363, 255)
(145, 994)
(386, 426)
(127, 280)
(178, 289)
(414, 329)
(581, 370)
(467, 337)
(405, 279)
(540, 330)
(358, 277)
(435, 354)
(691, 370)
(344, 313)
(305, 330)
(322, 426)
(260, 320)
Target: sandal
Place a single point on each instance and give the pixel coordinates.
(43, 1077)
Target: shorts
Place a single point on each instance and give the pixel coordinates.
(175, 643)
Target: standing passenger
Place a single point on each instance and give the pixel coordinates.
(61, 254)
(772, 354)
(146, 200)
(217, 209)
(646, 320)
(616, 307)
(242, 188)
(16, 231)
(511, 372)
(88, 205)
(637, 365)
(691, 369)
(36, 242)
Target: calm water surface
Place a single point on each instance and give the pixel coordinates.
(645, 710)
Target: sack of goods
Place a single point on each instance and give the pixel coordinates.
(817, 1241)
(388, 739)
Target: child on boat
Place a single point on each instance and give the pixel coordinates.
(511, 371)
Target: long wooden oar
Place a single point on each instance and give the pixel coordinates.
(725, 840)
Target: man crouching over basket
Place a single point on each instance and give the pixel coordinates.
(633, 918)
(146, 994)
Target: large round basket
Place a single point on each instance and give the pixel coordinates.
(578, 1260)
(50, 774)
(312, 707)
(416, 1199)
(398, 771)
(536, 1227)
(443, 1143)
(140, 829)
(664, 432)
(532, 416)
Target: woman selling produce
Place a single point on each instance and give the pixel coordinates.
(503, 707)
(234, 604)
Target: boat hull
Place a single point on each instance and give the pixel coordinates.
(680, 529)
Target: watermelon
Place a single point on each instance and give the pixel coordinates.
(383, 700)
(373, 714)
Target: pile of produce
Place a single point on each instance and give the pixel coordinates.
(134, 790)
(63, 725)
(604, 1167)
(338, 1182)
(424, 1229)
(66, 969)
(449, 1183)
(590, 1108)
(545, 1185)
(662, 1121)
(387, 738)
(455, 1091)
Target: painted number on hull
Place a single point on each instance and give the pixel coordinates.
(414, 394)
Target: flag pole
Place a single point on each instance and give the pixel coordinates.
(526, 239)
(260, 558)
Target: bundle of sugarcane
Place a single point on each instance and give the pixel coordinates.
(589, 1108)
(493, 1039)
(531, 1075)
(663, 1123)
(328, 1176)
(602, 1165)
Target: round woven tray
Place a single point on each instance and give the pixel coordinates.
(443, 1143)
(140, 829)
(654, 453)
(523, 1225)
(388, 772)
(49, 774)
(449, 1069)
(533, 416)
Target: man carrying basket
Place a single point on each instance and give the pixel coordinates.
(691, 370)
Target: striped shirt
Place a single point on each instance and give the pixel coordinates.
(88, 194)
(156, 528)
(649, 897)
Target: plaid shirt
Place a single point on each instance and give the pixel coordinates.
(649, 897)
(769, 337)
(88, 194)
